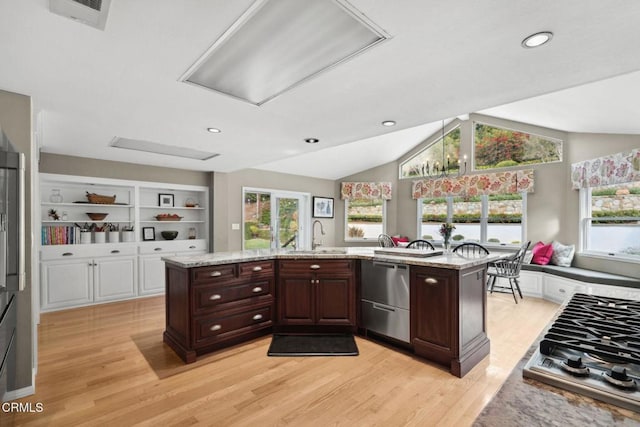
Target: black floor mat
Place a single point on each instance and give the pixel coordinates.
(312, 345)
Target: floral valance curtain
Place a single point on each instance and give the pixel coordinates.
(614, 169)
(475, 185)
(366, 190)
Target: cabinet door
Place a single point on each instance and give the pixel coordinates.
(152, 274)
(115, 278)
(66, 283)
(432, 311)
(335, 301)
(296, 300)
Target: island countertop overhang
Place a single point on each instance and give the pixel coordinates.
(448, 261)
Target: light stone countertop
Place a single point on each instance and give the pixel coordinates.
(449, 261)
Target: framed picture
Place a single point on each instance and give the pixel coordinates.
(149, 233)
(165, 200)
(322, 207)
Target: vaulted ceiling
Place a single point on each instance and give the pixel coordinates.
(443, 59)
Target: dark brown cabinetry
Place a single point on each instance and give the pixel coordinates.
(448, 316)
(317, 293)
(215, 306)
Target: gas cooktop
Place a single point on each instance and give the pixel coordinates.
(593, 348)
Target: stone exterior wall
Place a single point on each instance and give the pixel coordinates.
(615, 203)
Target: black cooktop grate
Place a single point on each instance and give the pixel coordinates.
(603, 326)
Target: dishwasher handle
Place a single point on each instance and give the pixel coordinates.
(389, 265)
(383, 308)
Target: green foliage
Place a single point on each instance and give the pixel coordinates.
(473, 218)
(493, 240)
(364, 218)
(427, 237)
(612, 191)
(257, 244)
(457, 237)
(356, 232)
(635, 213)
(507, 163)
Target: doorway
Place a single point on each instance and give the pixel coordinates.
(275, 219)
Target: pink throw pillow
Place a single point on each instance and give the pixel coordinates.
(542, 253)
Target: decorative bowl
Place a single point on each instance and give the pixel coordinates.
(169, 234)
(97, 216)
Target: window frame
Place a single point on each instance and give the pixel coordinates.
(363, 239)
(484, 221)
(585, 217)
(434, 139)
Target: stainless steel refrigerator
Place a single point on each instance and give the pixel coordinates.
(12, 263)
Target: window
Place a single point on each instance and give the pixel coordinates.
(365, 218)
(431, 159)
(610, 216)
(490, 220)
(496, 148)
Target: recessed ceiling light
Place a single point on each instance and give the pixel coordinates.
(388, 123)
(537, 39)
(214, 130)
(311, 140)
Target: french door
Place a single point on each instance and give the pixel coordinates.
(275, 219)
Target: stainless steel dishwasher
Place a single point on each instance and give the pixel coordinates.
(385, 299)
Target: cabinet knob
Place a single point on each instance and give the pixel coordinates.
(257, 289)
(562, 291)
(157, 249)
(314, 266)
(215, 328)
(215, 297)
(257, 268)
(430, 281)
(192, 247)
(215, 274)
(257, 317)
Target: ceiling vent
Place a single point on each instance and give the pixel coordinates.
(90, 12)
(167, 150)
(278, 44)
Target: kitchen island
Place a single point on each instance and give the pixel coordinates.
(221, 299)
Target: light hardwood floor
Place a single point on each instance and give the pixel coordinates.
(106, 365)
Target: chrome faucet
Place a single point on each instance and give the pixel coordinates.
(315, 244)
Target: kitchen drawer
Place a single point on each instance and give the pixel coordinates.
(211, 296)
(59, 252)
(560, 289)
(172, 246)
(386, 320)
(257, 268)
(316, 266)
(215, 273)
(224, 325)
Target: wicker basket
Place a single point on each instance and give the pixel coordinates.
(100, 199)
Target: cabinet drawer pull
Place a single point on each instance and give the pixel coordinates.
(67, 254)
(314, 266)
(215, 297)
(192, 247)
(430, 281)
(562, 291)
(115, 251)
(257, 317)
(215, 328)
(157, 249)
(256, 289)
(215, 274)
(257, 268)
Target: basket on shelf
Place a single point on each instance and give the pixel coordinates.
(100, 199)
(168, 217)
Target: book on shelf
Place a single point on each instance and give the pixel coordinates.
(60, 235)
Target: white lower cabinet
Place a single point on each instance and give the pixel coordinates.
(66, 283)
(114, 278)
(559, 289)
(531, 283)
